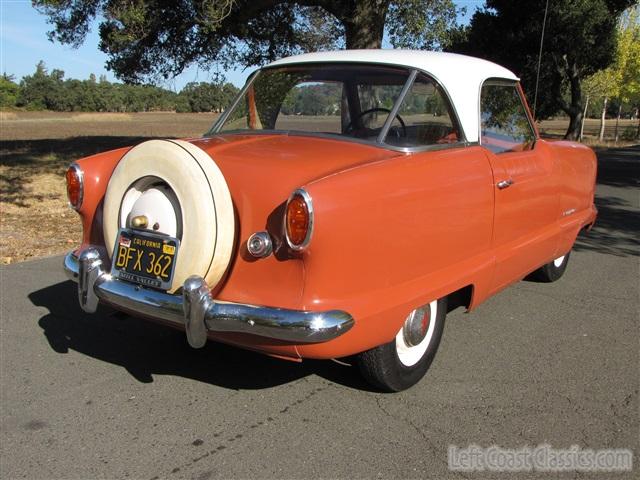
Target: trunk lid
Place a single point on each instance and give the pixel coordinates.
(278, 164)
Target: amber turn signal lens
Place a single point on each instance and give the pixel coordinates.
(74, 186)
(297, 220)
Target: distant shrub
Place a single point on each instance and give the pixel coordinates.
(629, 133)
(46, 90)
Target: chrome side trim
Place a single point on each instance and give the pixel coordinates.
(196, 311)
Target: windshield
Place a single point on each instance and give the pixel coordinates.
(337, 99)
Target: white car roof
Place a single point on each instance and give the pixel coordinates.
(460, 75)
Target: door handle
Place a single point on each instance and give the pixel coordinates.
(504, 184)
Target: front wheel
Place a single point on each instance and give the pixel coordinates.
(553, 270)
(401, 363)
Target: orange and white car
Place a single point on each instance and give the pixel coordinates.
(339, 207)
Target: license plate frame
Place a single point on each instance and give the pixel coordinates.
(148, 251)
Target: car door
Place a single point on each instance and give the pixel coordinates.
(526, 199)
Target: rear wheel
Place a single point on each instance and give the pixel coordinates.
(553, 270)
(401, 363)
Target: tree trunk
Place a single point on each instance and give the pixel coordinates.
(618, 122)
(603, 118)
(584, 117)
(364, 23)
(575, 121)
(575, 109)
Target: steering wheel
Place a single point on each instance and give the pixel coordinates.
(349, 128)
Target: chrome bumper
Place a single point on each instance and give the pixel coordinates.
(196, 311)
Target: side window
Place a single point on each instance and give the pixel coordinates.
(424, 118)
(504, 123)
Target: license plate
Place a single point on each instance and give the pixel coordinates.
(144, 258)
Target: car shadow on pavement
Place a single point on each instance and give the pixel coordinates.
(619, 167)
(617, 228)
(145, 348)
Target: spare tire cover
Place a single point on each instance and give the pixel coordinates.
(205, 207)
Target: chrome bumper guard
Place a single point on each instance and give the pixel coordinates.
(196, 311)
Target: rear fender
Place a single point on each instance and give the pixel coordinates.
(97, 170)
(394, 235)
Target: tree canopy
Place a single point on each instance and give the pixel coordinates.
(621, 80)
(148, 39)
(8, 91)
(627, 61)
(44, 90)
(580, 39)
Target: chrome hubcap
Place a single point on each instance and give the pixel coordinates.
(416, 326)
(413, 339)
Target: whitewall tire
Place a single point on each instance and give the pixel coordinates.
(401, 363)
(553, 270)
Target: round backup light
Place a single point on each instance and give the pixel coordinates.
(299, 220)
(75, 186)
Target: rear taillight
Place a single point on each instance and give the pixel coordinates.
(299, 220)
(75, 186)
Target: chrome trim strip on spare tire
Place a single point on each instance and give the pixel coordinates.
(196, 310)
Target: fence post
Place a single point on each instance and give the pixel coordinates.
(603, 118)
(617, 122)
(584, 117)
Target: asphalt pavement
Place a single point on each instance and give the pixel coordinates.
(110, 396)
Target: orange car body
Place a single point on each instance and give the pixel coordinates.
(393, 230)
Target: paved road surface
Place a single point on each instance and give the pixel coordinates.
(113, 397)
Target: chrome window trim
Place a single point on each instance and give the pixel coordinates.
(396, 106)
(339, 138)
(309, 203)
(455, 120)
(217, 125)
(76, 168)
(215, 129)
(504, 82)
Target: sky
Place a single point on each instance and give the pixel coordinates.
(23, 43)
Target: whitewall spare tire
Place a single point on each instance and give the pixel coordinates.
(183, 193)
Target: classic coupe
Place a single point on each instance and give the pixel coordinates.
(340, 206)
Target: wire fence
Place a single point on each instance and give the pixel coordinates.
(627, 129)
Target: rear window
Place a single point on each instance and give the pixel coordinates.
(424, 118)
(337, 99)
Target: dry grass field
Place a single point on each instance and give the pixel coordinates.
(626, 128)
(35, 150)
(37, 147)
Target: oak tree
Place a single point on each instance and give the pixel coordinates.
(148, 39)
(580, 39)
